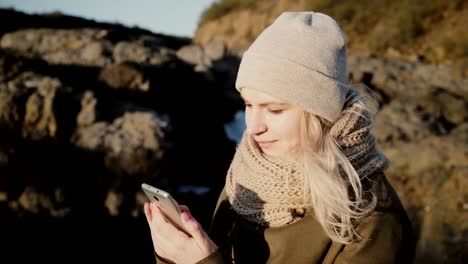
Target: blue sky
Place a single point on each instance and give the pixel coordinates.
(173, 17)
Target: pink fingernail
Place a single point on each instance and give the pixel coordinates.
(186, 216)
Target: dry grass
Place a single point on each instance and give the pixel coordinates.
(386, 23)
(380, 26)
(220, 8)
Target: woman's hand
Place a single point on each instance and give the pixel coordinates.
(173, 244)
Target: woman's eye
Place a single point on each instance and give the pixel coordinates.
(275, 111)
(247, 105)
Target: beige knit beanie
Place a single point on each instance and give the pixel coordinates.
(300, 58)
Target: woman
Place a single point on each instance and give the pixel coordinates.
(306, 184)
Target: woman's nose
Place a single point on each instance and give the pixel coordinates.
(256, 124)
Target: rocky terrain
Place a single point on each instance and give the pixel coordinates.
(89, 111)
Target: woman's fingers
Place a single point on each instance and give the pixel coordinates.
(194, 228)
(164, 226)
(184, 208)
(205, 244)
(158, 216)
(148, 213)
(169, 241)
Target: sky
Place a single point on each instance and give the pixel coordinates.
(171, 17)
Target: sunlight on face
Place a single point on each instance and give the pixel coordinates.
(274, 123)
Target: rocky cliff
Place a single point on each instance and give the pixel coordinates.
(88, 112)
(432, 31)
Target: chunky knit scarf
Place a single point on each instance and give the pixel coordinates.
(352, 133)
(269, 190)
(262, 188)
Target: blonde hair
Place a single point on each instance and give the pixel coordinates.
(332, 183)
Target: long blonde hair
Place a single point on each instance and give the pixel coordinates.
(334, 186)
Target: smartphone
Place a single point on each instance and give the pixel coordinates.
(168, 205)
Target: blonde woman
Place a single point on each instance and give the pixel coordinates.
(306, 184)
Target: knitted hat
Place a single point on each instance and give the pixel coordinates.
(300, 58)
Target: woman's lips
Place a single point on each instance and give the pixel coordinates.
(265, 144)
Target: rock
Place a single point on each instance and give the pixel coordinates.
(133, 143)
(215, 50)
(124, 76)
(87, 115)
(131, 52)
(38, 94)
(82, 47)
(192, 54)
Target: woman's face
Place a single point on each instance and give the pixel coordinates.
(273, 123)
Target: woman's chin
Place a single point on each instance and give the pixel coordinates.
(274, 153)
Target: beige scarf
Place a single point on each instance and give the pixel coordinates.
(352, 133)
(264, 189)
(270, 190)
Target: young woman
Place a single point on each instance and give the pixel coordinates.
(306, 184)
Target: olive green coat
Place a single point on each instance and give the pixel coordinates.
(387, 237)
